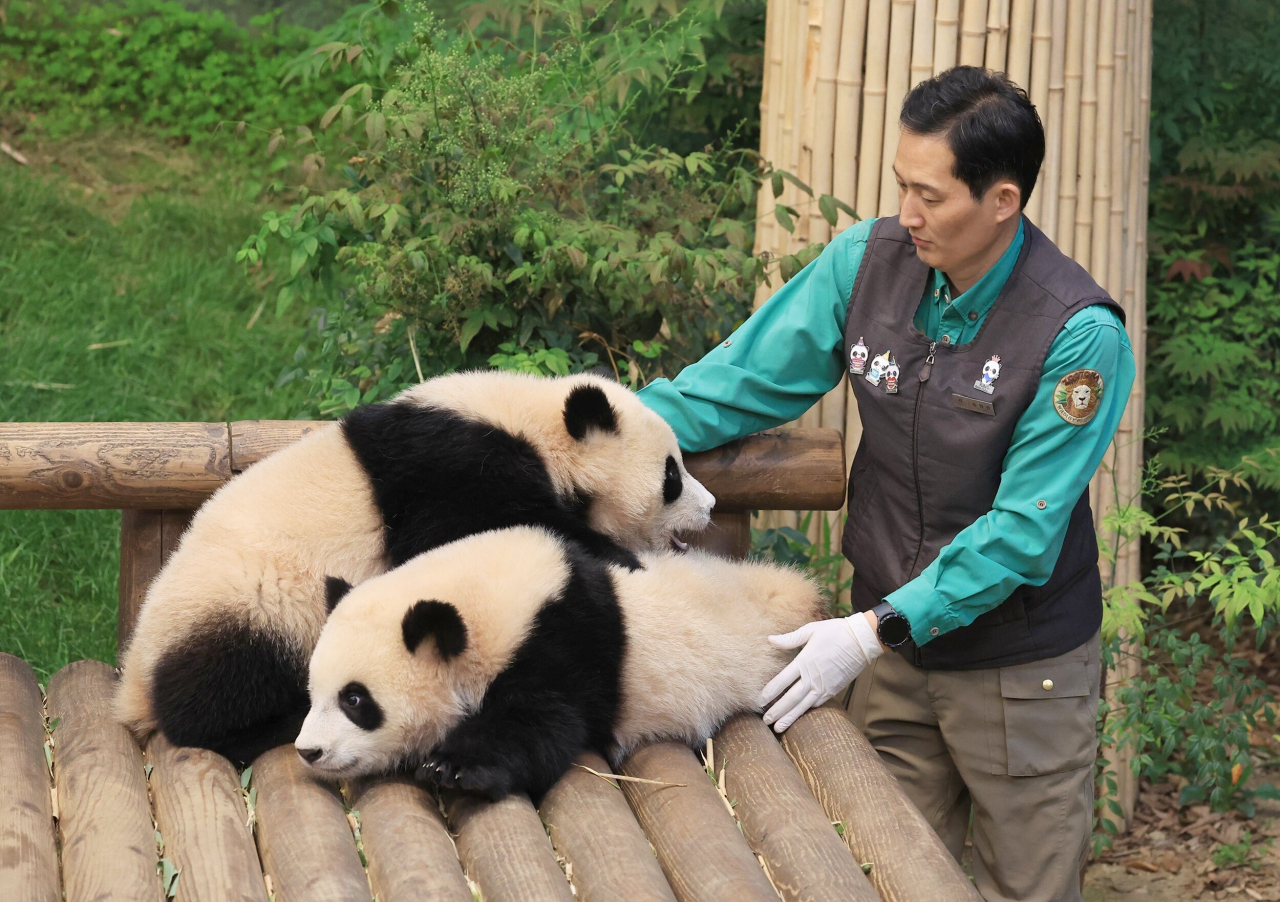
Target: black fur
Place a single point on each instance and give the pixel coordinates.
(335, 590)
(358, 703)
(672, 482)
(232, 689)
(586, 408)
(435, 618)
(437, 477)
(558, 696)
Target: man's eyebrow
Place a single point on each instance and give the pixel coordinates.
(923, 186)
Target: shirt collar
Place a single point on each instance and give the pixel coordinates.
(982, 295)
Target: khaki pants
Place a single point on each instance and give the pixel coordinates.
(1017, 744)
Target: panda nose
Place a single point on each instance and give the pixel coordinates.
(311, 756)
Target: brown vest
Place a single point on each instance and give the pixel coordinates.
(930, 458)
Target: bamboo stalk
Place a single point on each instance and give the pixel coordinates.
(1020, 43)
(997, 34)
(922, 42)
(1121, 132)
(769, 125)
(789, 117)
(973, 33)
(896, 84)
(824, 131)
(1071, 117)
(811, 116)
(946, 35)
(1088, 130)
(1053, 126)
(1041, 41)
(1100, 244)
(853, 39)
(873, 107)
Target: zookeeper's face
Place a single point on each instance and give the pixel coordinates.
(951, 230)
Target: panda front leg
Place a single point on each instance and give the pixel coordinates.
(517, 742)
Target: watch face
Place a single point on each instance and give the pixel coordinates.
(894, 630)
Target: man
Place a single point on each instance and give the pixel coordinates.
(969, 526)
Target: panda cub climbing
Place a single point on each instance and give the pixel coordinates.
(219, 655)
(493, 661)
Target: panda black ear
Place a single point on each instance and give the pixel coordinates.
(587, 408)
(435, 618)
(335, 589)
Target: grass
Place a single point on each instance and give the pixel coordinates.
(119, 300)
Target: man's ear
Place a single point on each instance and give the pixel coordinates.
(335, 589)
(435, 618)
(588, 408)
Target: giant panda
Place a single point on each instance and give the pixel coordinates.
(491, 662)
(219, 655)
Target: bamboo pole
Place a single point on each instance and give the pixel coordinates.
(1020, 43)
(922, 42)
(1121, 132)
(997, 34)
(946, 35)
(1088, 130)
(771, 86)
(973, 33)
(873, 107)
(1100, 245)
(1071, 116)
(853, 40)
(897, 82)
(824, 134)
(1054, 125)
(811, 119)
(1041, 41)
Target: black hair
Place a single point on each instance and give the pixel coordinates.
(989, 122)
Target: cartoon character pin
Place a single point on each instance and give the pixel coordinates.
(891, 377)
(1077, 395)
(990, 373)
(858, 358)
(879, 364)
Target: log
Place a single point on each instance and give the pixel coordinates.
(595, 832)
(857, 790)
(252, 440)
(505, 851)
(108, 843)
(779, 469)
(410, 854)
(201, 814)
(697, 841)
(315, 864)
(782, 821)
(729, 535)
(90, 466)
(28, 847)
(147, 538)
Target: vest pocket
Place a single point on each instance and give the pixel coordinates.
(1050, 712)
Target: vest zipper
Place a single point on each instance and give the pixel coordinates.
(925, 372)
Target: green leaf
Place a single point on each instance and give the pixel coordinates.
(474, 323)
(827, 206)
(784, 217)
(776, 184)
(297, 260)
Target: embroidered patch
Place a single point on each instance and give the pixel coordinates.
(1077, 395)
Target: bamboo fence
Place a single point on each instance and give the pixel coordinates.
(835, 75)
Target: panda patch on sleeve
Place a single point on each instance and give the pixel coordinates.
(218, 658)
(489, 664)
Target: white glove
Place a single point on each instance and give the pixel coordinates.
(834, 653)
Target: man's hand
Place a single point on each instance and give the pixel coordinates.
(834, 653)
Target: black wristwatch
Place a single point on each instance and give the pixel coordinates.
(891, 627)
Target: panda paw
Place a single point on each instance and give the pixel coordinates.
(442, 771)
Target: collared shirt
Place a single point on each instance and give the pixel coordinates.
(789, 354)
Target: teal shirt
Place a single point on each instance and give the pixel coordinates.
(789, 354)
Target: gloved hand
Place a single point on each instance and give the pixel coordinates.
(835, 651)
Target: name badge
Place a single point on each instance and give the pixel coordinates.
(985, 407)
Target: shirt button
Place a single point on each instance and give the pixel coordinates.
(1048, 685)
(937, 291)
(973, 316)
(727, 342)
(934, 631)
(946, 339)
(1042, 504)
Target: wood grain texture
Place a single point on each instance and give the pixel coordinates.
(304, 841)
(782, 821)
(697, 841)
(505, 850)
(28, 847)
(252, 440)
(147, 538)
(200, 812)
(108, 844)
(882, 826)
(411, 856)
(728, 535)
(111, 465)
(780, 469)
(595, 831)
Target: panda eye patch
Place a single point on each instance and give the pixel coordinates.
(357, 703)
(672, 482)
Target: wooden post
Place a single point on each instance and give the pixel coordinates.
(28, 847)
(504, 849)
(147, 538)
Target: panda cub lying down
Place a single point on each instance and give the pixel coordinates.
(491, 662)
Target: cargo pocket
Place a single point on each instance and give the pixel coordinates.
(1050, 713)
